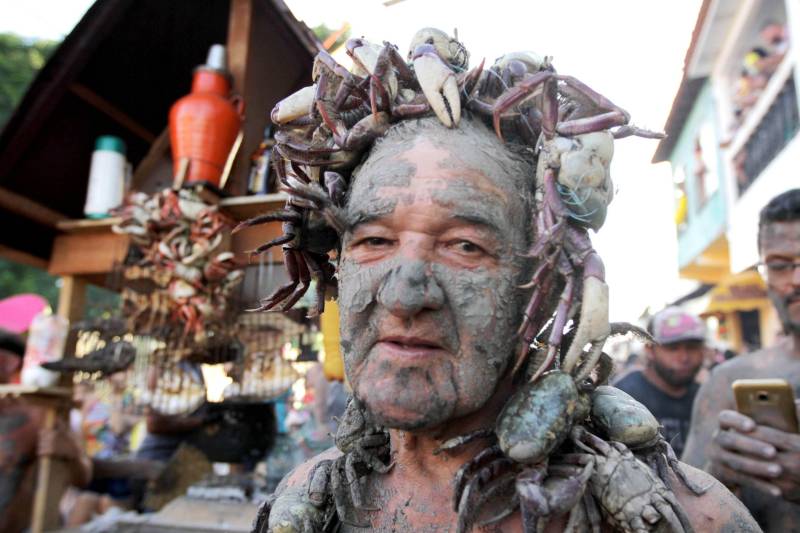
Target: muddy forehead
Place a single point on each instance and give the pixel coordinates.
(456, 175)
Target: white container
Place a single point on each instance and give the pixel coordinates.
(46, 339)
(107, 176)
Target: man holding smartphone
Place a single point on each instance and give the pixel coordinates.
(764, 462)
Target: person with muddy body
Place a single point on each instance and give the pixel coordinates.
(667, 385)
(473, 307)
(762, 461)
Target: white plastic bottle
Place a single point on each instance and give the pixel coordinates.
(107, 176)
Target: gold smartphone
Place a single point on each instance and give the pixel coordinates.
(770, 402)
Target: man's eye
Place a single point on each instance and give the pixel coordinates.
(779, 266)
(374, 242)
(467, 247)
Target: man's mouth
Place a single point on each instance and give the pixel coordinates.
(409, 346)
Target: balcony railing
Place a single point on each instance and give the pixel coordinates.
(776, 128)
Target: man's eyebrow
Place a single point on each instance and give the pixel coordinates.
(365, 216)
(478, 220)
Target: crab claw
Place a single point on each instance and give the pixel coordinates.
(438, 83)
(593, 326)
(294, 106)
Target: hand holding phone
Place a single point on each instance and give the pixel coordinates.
(758, 445)
(769, 402)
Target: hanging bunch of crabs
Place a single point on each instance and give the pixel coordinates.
(565, 442)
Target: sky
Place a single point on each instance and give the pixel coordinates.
(631, 51)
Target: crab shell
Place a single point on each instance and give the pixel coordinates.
(584, 163)
(621, 418)
(292, 512)
(538, 417)
(448, 48)
(533, 61)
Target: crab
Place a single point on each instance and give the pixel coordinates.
(621, 418)
(304, 258)
(365, 447)
(630, 496)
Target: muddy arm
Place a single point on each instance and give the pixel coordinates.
(713, 397)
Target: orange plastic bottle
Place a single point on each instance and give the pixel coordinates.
(203, 125)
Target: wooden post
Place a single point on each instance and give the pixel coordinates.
(53, 475)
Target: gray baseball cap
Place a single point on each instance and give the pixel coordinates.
(673, 324)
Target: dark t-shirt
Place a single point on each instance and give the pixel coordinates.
(674, 414)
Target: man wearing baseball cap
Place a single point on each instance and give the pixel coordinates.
(667, 385)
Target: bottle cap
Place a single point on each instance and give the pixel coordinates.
(217, 58)
(110, 143)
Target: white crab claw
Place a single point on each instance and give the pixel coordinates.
(365, 60)
(293, 106)
(593, 326)
(438, 83)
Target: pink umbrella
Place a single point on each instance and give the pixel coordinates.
(17, 312)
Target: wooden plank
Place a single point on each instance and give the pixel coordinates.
(109, 109)
(251, 238)
(240, 36)
(87, 253)
(22, 258)
(239, 32)
(21, 205)
(34, 393)
(71, 298)
(53, 475)
(244, 207)
(88, 225)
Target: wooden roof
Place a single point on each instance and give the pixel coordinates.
(118, 72)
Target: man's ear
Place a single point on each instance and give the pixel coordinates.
(648, 351)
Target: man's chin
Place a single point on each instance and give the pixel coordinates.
(409, 408)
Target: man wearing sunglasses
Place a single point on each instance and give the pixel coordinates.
(762, 461)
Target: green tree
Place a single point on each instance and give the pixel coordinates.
(20, 60)
(323, 32)
(20, 279)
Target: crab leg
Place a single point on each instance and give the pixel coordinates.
(593, 323)
(290, 263)
(304, 279)
(562, 314)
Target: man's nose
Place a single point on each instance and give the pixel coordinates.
(410, 288)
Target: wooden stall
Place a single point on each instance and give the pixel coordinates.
(118, 72)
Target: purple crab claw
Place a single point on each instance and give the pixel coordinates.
(438, 83)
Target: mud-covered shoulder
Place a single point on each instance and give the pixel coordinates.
(717, 509)
(293, 483)
(299, 474)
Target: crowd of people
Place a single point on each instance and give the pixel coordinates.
(757, 67)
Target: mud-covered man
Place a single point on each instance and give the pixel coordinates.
(434, 274)
(763, 461)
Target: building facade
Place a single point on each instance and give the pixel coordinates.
(732, 141)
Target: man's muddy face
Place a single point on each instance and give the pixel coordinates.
(780, 245)
(428, 284)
